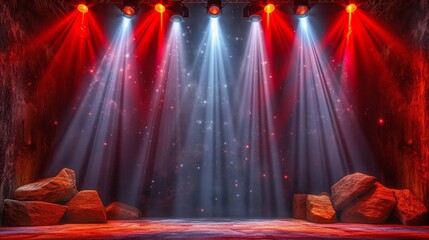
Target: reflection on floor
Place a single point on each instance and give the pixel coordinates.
(215, 229)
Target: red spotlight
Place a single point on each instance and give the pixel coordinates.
(269, 8)
(160, 8)
(214, 10)
(301, 10)
(351, 8)
(129, 11)
(301, 7)
(130, 8)
(82, 8)
(214, 7)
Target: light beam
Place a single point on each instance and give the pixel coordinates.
(161, 146)
(93, 141)
(206, 168)
(323, 136)
(262, 174)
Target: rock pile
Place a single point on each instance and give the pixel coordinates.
(359, 198)
(56, 200)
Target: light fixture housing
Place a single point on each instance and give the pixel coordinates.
(214, 7)
(178, 12)
(252, 12)
(301, 8)
(130, 8)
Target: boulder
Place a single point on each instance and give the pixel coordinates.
(374, 207)
(320, 209)
(31, 213)
(349, 188)
(299, 206)
(85, 207)
(122, 211)
(58, 189)
(409, 209)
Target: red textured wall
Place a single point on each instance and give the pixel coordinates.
(26, 129)
(402, 143)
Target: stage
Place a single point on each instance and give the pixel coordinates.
(216, 229)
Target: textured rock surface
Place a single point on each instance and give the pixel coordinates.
(31, 213)
(300, 206)
(373, 207)
(320, 210)
(409, 209)
(349, 188)
(85, 207)
(122, 211)
(60, 188)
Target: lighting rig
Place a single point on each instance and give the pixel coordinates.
(252, 11)
(130, 8)
(214, 8)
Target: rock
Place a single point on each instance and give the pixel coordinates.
(374, 207)
(350, 188)
(58, 189)
(409, 209)
(320, 209)
(299, 206)
(85, 207)
(122, 211)
(31, 213)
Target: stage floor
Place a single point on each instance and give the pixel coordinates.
(215, 229)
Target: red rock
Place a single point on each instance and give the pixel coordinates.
(58, 189)
(85, 207)
(31, 213)
(300, 206)
(409, 209)
(122, 211)
(350, 188)
(373, 207)
(320, 210)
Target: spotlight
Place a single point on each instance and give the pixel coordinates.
(269, 8)
(179, 12)
(253, 12)
(300, 7)
(130, 8)
(82, 8)
(160, 8)
(214, 7)
(351, 8)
